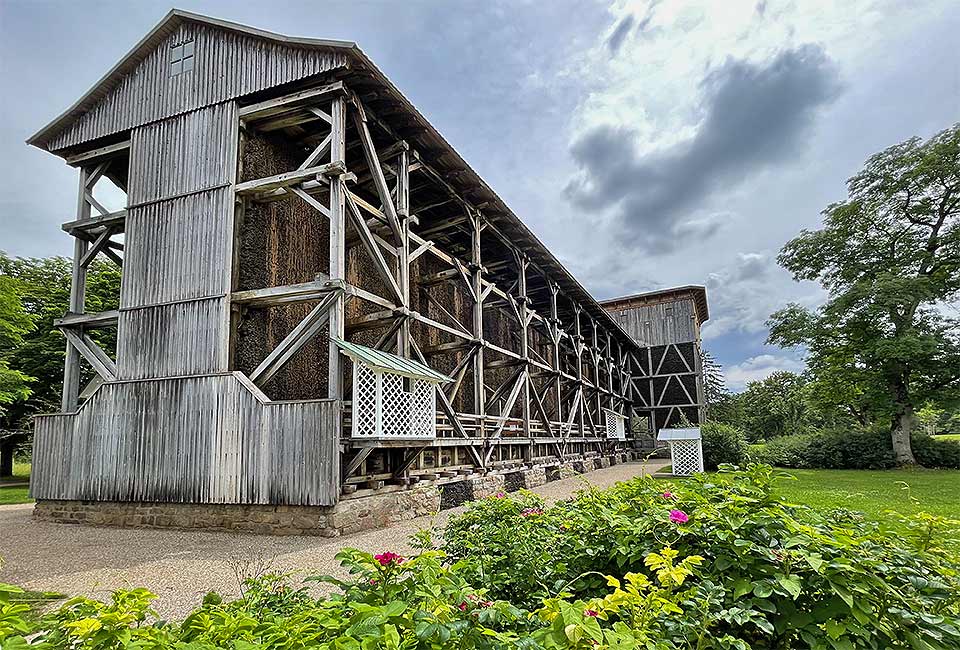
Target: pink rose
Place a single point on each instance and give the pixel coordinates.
(679, 517)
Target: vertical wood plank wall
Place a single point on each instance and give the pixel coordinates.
(174, 316)
(210, 439)
(661, 324)
(243, 64)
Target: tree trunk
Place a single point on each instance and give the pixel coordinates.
(904, 421)
(6, 458)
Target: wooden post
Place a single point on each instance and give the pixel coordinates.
(403, 248)
(522, 263)
(337, 271)
(476, 279)
(78, 291)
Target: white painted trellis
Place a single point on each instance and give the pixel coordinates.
(615, 425)
(393, 398)
(686, 449)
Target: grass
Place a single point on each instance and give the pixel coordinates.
(874, 492)
(948, 436)
(14, 490)
(14, 494)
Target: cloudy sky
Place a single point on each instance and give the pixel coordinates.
(648, 143)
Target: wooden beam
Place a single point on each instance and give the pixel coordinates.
(285, 103)
(294, 341)
(366, 237)
(110, 220)
(289, 178)
(93, 319)
(373, 163)
(286, 294)
(95, 154)
(95, 356)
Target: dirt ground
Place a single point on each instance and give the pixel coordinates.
(181, 566)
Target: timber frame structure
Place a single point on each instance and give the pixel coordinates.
(282, 195)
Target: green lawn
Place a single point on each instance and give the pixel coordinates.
(948, 436)
(14, 490)
(14, 494)
(873, 492)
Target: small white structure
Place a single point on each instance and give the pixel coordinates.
(686, 449)
(615, 425)
(393, 398)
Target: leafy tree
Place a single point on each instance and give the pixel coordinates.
(775, 406)
(721, 405)
(43, 292)
(889, 257)
(15, 323)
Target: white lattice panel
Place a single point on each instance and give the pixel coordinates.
(687, 457)
(396, 407)
(423, 412)
(382, 408)
(614, 425)
(364, 401)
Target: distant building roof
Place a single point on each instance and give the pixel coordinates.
(695, 291)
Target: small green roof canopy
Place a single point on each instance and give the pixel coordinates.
(387, 362)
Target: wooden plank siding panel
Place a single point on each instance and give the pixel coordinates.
(177, 249)
(183, 154)
(183, 338)
(660, 324)
(243, 63)
(223, 444)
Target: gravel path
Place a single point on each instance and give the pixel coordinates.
(181, 566)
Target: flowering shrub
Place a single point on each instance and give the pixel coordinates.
(772, 575)
(714, 562)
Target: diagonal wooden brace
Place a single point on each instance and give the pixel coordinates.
(294, 341)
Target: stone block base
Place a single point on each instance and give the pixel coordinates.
(350, 515)
(470, 489)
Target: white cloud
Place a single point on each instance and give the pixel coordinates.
(759, 367)
(744, 293)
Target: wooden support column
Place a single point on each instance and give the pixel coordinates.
(579, 346)
(403, 247)
(78, 291)
(524, 309)
(555, 342)
(337, 270)
(476, 280)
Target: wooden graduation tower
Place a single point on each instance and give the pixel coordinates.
(295, 232)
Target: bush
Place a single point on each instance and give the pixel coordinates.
(723, 444)
(714, 562)
(935, 454)
(772, 575)
(854, 449)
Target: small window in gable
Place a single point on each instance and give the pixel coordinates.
(181, 58)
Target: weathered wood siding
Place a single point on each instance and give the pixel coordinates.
(226, 65)
(174, 316)
(181, 338)
(187, 153)
(178, 249)
(189, 440)
(651, 325)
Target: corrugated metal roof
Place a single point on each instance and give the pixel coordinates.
(390, 362)
(692, 433)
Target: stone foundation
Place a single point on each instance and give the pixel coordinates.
(351, 515)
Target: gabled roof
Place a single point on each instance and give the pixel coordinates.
(459, 171)
(146, 45)
(379, 360)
